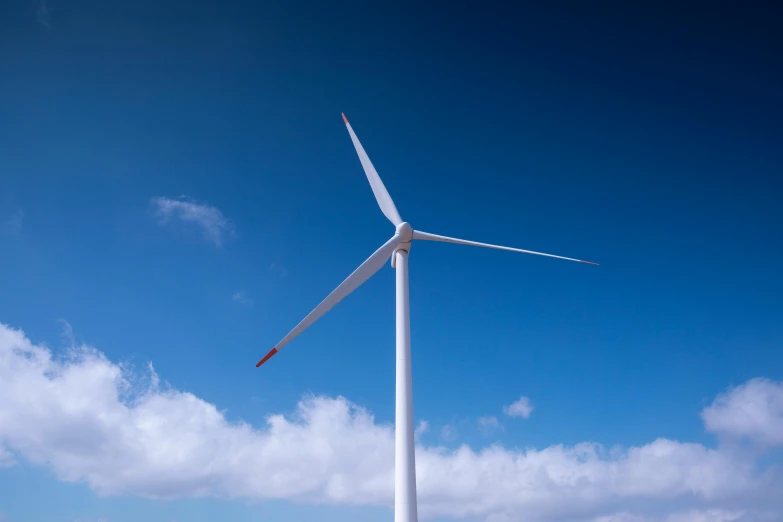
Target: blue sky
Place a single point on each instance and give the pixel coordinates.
(645, 140)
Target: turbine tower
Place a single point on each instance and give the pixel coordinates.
(397, 248)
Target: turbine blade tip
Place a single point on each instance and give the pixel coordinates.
(344, 118)
(590, 262)
(266, 357)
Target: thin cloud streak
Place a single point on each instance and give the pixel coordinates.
(42, 14)
(241, 297)
(279, 270)
(210, 220)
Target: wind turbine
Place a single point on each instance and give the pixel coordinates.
(397, 248)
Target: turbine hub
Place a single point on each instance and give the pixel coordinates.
(405, 232)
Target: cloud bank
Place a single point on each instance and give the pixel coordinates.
(89, 420)
(213, 224)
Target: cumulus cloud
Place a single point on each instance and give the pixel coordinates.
(90, 420)
(521, 408)
(213, 224)
(751, 411)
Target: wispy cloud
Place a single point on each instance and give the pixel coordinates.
(214, 225)
(488, 424)
(421, 429)
(242, 298)
(12, 225)
(42, 14)
(67, 334)
(448, 432)
(279, 270)
(521, 408)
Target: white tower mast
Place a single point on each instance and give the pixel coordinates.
(398, 248)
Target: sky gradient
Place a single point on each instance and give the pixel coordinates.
(177, 190)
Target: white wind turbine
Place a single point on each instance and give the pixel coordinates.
(397, 248)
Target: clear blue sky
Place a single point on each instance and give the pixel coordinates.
(646, 140)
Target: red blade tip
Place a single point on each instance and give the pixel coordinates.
(344, 118)
(266, 357)
(590, 263)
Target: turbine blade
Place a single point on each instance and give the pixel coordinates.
(381, 194)
(434, 237)
(351, 283)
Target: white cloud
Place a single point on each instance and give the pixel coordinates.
(6, 459)
(91, 421)
(696, 515)
(753, 411)
(242, 298)
(521, 408)
(710, 515)
(448, 432)
(488, 424)
(693, 515)
(213, 224)
(421, 429)
(67, 334)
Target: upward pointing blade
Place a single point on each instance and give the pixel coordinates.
(435, 237)
(381, 194)
(351, 283)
